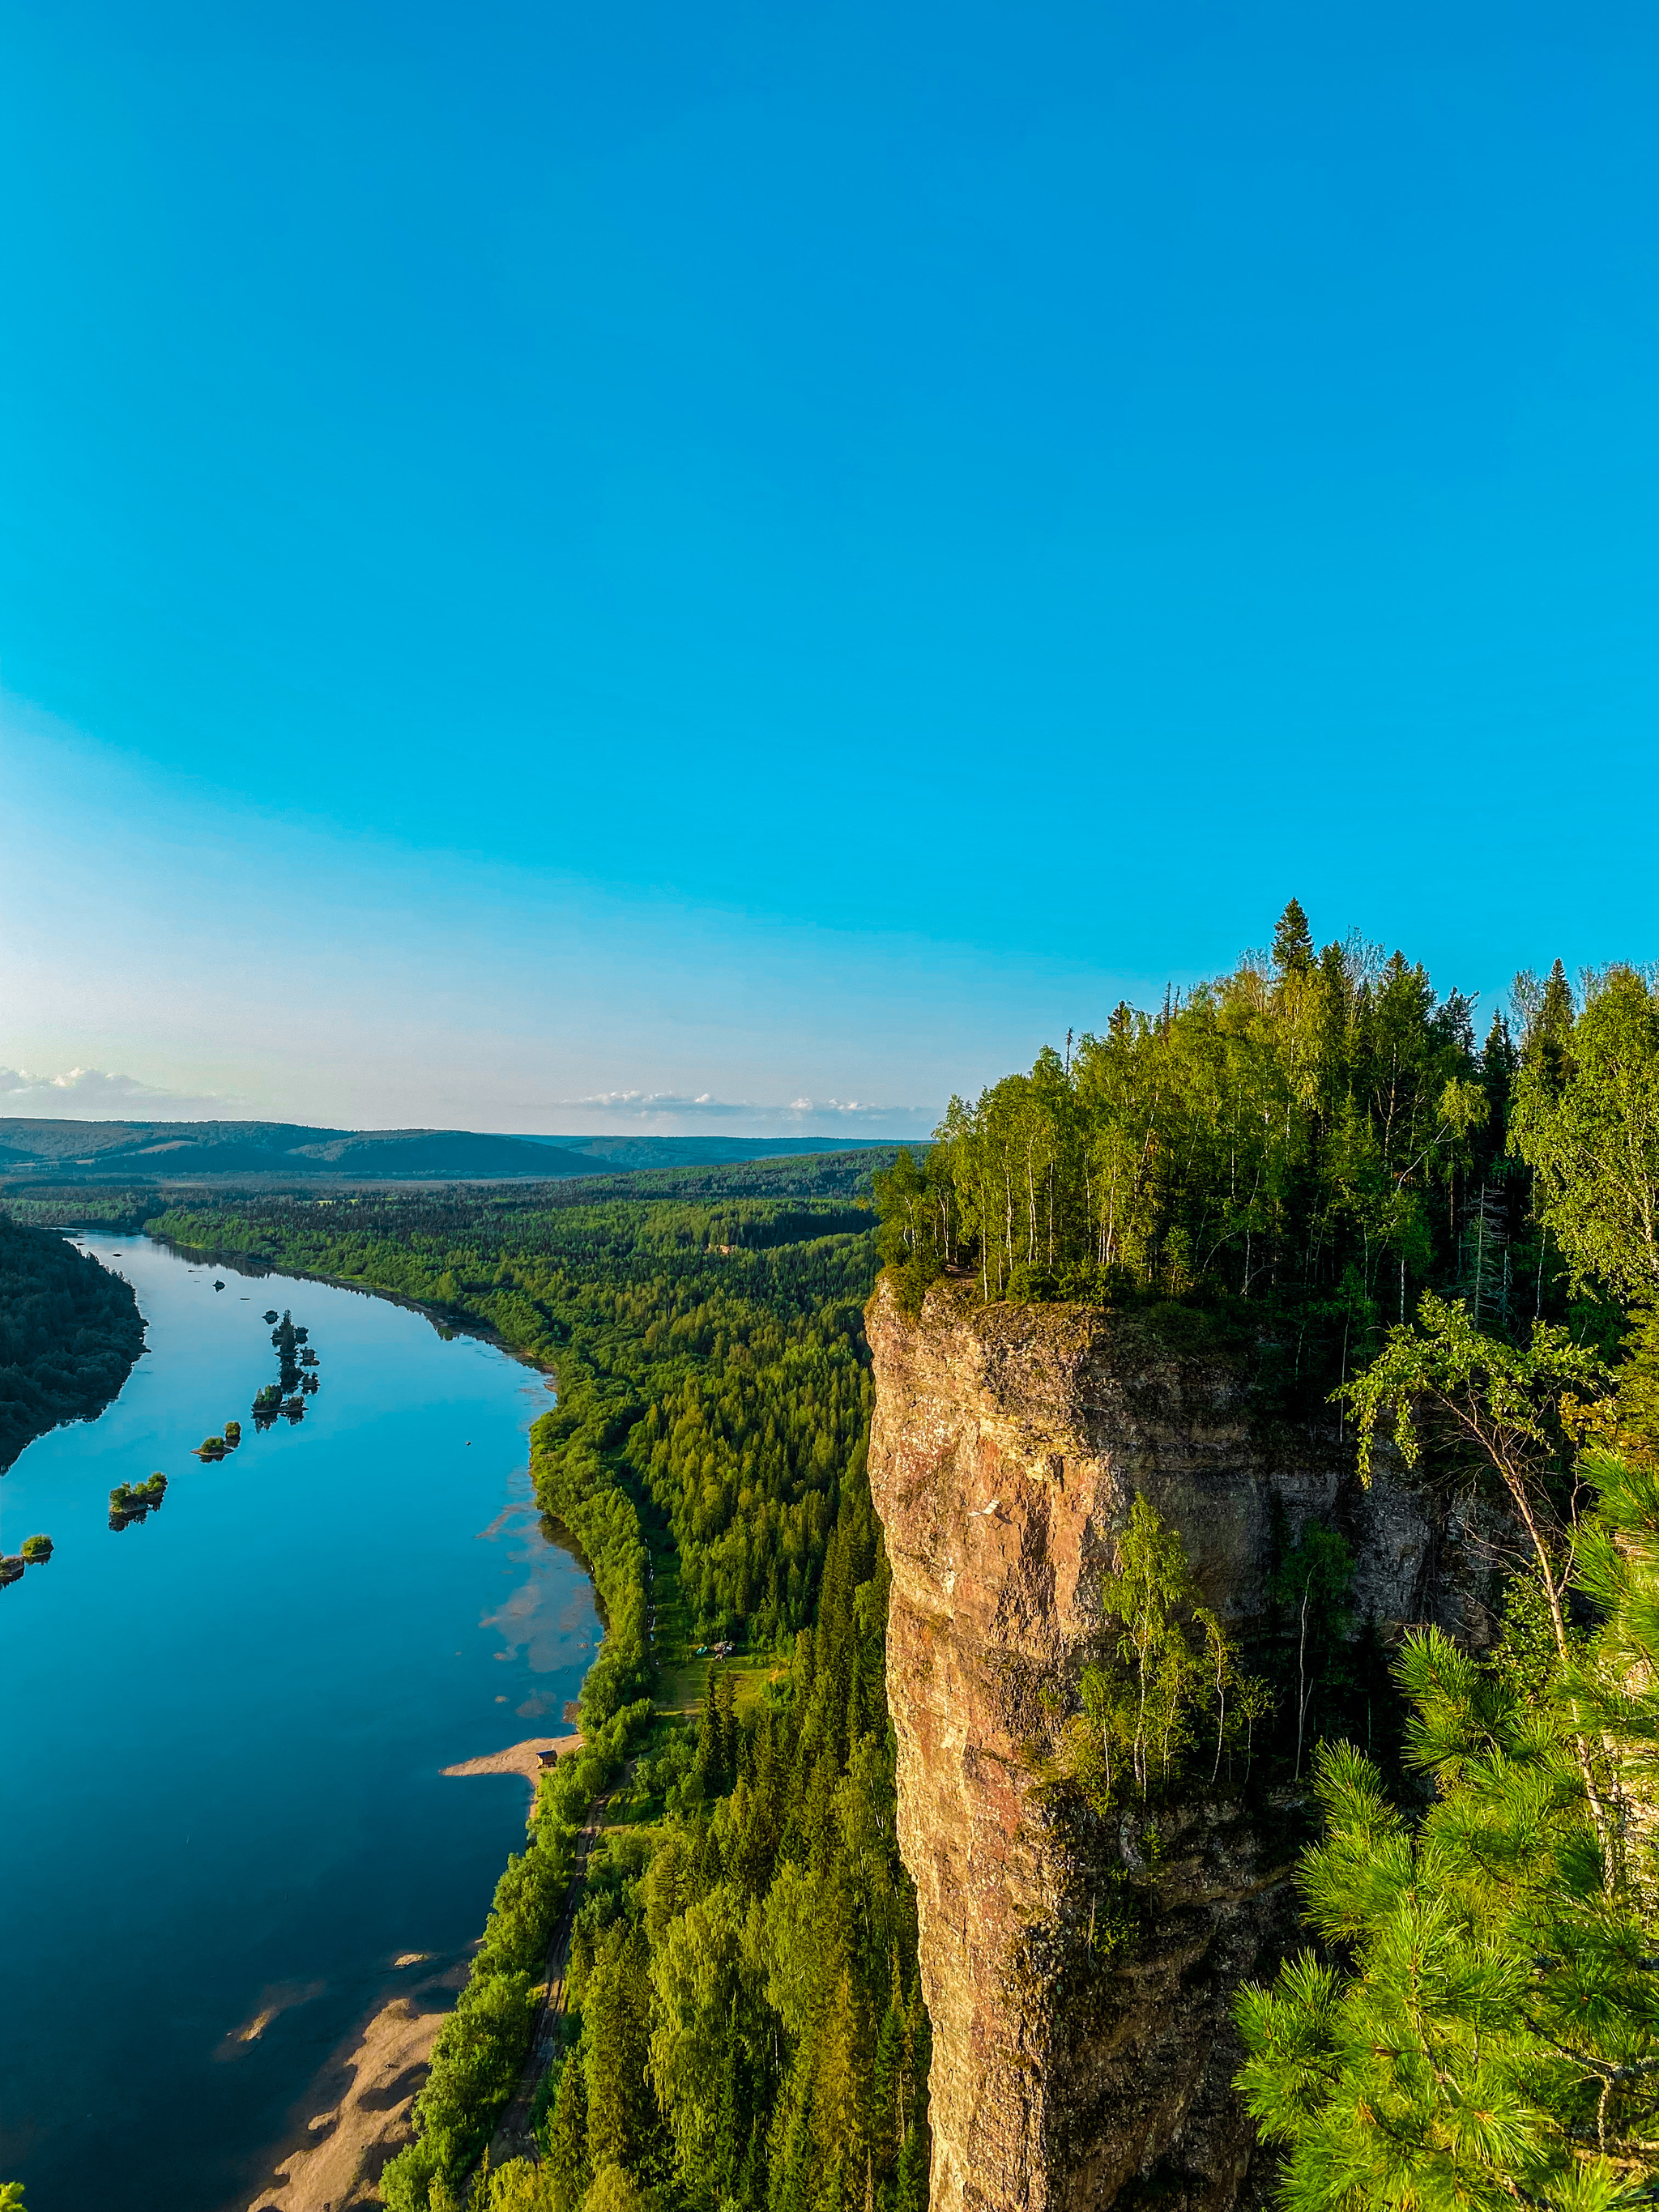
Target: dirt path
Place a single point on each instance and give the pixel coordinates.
(512, 2137)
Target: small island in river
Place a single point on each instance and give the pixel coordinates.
(131, 1501)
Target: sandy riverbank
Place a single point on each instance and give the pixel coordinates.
(339, 2169)
(523, 1759)
(354, 2140)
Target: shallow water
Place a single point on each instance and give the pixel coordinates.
(223, 1728)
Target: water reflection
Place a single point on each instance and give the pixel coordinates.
(539, 1619)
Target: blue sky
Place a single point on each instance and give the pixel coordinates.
(665, 567)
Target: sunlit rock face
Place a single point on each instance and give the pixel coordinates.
(1008, 1443)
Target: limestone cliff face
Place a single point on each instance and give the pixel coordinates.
(1008, 1443)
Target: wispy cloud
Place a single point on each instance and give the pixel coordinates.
(93, 1094)
(680, 1114)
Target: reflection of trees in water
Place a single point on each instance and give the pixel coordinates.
(296, 1379)
(287, 1340)
(285, 1399)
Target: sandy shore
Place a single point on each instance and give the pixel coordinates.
(339, 2169)
(523, 1759)
(369, 2125)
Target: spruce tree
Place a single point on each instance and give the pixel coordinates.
(1484, 2034)
(1293, 945)
(623, 2125)
(1498, 1062)
(566, 2162)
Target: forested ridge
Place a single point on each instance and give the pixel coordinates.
(70, 1332)
(746, 2027)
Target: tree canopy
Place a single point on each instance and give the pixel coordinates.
(70, 1332)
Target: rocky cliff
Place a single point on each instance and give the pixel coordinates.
(1079, 2060)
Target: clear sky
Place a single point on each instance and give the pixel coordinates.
(556, 561)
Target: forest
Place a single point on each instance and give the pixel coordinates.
(70, 1332)
(746, 2027)
(1304, 1147)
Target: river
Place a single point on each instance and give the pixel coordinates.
(224, 1727)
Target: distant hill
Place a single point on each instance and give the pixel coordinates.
(168, 1151)
(702, 1151)
(260, 1152)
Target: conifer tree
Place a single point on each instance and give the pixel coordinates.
(1498, 1062)
(1293, 945)
(566, 2163)
(622, 2118)
(1487, 2033)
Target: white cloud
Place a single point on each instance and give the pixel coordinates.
(679, 1114)
(92, 1094)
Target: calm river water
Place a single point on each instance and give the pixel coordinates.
(223, 1728)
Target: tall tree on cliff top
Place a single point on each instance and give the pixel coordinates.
(1269, 1135)
(1483, 2033)
(1293, 945)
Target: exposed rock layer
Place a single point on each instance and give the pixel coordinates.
(1008, 1443)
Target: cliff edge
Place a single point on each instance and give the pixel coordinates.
(1082, 2058)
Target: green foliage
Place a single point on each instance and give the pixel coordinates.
(1312, 1583)
(1304, 1120)
(1586, 1121)
(520, 2186)
(748, 2026)
(918, 1234)
(1142, 1716)
(1484, 2032)
(1493, 1405)
(70, 1332)
(128, 1498)
(480, 2047)
(53, 1207)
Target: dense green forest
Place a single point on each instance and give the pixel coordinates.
(746, 2027)
(65, 1206)
(70, 1332)
(1303, 1145)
